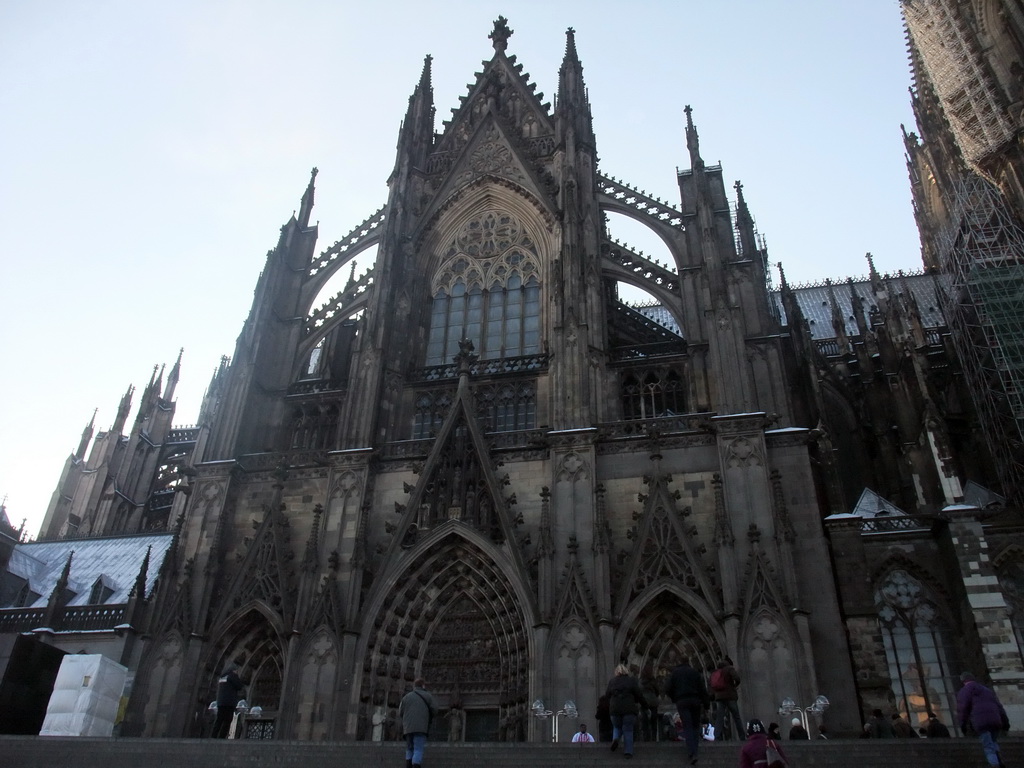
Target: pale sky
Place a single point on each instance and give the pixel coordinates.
(150, 153)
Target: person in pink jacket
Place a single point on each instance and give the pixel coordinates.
(754, 752)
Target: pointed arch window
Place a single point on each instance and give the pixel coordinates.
(487, 290)
(917, 647)
(508, 407)
(502, 321)
(650, 394)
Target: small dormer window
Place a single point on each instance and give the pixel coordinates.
(25, 596)
(100, 592)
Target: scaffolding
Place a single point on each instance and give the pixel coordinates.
(982, 260)
(949, 51)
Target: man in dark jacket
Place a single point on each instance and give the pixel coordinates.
(229, 691)
(936, 729)
(980, 707)
(686, 688)
(724, 681)
(416, 710)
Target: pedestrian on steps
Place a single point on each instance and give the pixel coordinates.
(980, 708)
(724, 681)
(625, 698)
(417, 710)
(687, 689)
(229, 692)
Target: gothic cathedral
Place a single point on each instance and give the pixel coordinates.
(477, 465)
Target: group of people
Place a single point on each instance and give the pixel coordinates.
(978, 709)
(686, 688)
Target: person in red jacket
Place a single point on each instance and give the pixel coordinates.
(755, 748)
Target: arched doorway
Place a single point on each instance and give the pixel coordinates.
(454, 619)
(250, 641)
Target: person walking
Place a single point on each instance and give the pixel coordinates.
(724, 682)
(582, 737)
(416, 710)
(229, 692)
(624, 700)
(686, 688)
(754, 753)
(979, 707)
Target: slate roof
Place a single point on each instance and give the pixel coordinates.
(814, 301)
(870, 504)
(115, 560)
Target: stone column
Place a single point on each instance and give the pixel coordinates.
(867, 651)
(986, 606)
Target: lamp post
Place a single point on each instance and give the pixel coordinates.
(568, 710)
(788, 707)
(540, 712)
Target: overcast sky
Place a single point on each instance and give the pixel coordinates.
(150, 152)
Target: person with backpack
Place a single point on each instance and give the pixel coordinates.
(724, 682)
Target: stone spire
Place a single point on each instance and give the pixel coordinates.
(306, 207)
(572, 109)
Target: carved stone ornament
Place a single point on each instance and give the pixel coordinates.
(494, 157)
(741, 452)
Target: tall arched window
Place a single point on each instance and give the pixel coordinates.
(487, 291)
(917, 644)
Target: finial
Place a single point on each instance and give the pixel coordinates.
(501, 33)
(692, 138)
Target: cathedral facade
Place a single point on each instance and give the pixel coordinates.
(475, 464)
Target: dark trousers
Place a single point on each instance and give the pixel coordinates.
(722, 708)
(222, 724)
(690, 714)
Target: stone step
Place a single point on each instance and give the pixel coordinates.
(84, 752)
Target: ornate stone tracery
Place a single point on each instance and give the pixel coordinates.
(451, 594)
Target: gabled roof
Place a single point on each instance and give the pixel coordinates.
(870, 504)
(115, 560)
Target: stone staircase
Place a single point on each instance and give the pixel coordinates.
(60, 752)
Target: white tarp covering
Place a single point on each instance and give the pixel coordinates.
(85, 697)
